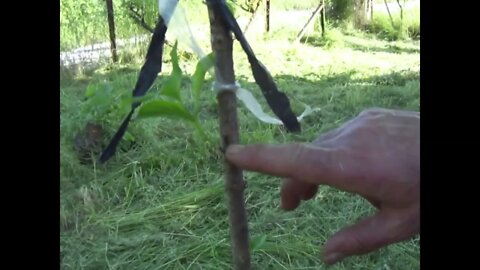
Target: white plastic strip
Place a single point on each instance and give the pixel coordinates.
(256, 109)
(166, 9)
(174, 15)
(217, 87)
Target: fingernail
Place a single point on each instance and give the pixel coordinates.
(332, 257)
(234, 149)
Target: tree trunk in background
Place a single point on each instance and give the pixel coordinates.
(340, 10)
(111, 28)
(362, 13)
(267, 16)
(371, 10)
(322, 18)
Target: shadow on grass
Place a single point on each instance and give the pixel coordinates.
(388, 48)
(319, 41)
(340, 95)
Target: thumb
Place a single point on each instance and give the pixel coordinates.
(384, 228)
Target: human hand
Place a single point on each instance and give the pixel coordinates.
(375, 155)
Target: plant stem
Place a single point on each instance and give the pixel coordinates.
(221, 40)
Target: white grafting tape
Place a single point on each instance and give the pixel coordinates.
(220, 87)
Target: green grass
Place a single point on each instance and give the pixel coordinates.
(84, 22)
(161, 203)
(408, 28)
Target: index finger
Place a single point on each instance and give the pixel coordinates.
(310, 164)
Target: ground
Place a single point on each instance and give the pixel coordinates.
(160, 204)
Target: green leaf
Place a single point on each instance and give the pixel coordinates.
(163, 108)
(90, 91)
(231, 6)
(127, 101)
(171, 87)
(174, 58)
(198, 77)
(258, 242)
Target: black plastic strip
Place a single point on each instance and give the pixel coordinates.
(148, 74)
(277, 100)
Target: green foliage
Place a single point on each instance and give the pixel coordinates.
(408, 28)
(82, 22)
(177, 109)
(161, 205)
(163, 108)
(232, 6)
(246, 5)
(198, 77)
(148, 9)
(102, 103)
(340, 10)
(171, 87)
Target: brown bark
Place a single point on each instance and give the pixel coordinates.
(229, 133)
(267, 16)
(111, 28)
